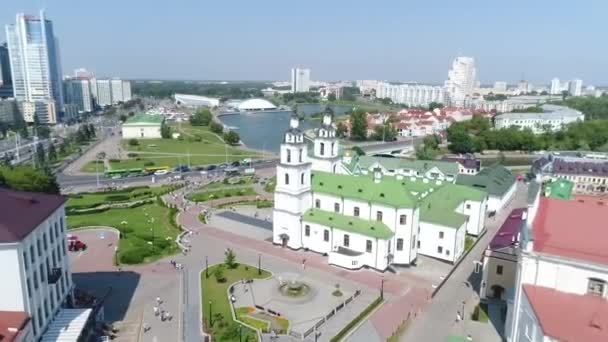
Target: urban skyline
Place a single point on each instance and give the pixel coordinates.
(505, 54)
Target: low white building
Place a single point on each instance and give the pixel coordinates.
(366, 218)
(562, 277)
(497, 181)
(143, 126)
(33, 257)
(195, 101)
(413, 95)
(554, 118)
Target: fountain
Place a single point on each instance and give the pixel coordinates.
(293, 288)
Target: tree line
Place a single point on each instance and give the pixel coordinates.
(166, 89)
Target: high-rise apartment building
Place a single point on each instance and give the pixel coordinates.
(461, 81)
(6, 79)
(300, 80)
(500, 86)
(575, 87)
(411, 94)
(117, 94)
(126, 91)
(104, 93)
(556, 87)
(34, 58)
(78, 92)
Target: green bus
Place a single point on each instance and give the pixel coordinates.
(119, 173)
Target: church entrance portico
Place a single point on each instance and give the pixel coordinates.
(284, 240)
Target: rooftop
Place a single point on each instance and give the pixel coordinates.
(440, 204)
(11, 323)
(375, 229)
(68, 325)
(559, 189)
(422, 166)
(495, 180)
(586, 318)
(551, 112)
(23, 211)
(572, 229)
(144, 119)
(508, 233)
(533, 192)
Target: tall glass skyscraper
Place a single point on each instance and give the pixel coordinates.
(34, 58)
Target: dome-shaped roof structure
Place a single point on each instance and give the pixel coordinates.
(256, 105)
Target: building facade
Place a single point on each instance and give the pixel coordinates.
(300, 80)
(117, 92)
(575, 87)
(497, 181)
(412, 95)
(461, 81)
(143, 126)
(33, 256)
(6, 79)
(8, 111)
(34, 58)
(554, 118)
(104, 93)
(78, 93)
(588, 171)
(560, 270)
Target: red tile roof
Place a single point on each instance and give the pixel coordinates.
(21, 212)
(572, 229)
(585, 319)
(11, 323)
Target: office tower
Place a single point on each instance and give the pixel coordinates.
(126, 91)
(300, 80)
(556, 87)
(461, 80)
(117, 95)
(78, 92)
(6, 79)
(575, 88)
(94, 96)
(104, 93)
(34, 56)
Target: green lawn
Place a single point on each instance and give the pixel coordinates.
(271, 184)
(192, 131)
(90, 167)
(224, 328)
(469, 241)
(203, 196)
(96, 198)
(242, 314)
(232, 182)
(142, 240)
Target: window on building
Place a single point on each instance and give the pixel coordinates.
(399, 244)
(356, 211)
(288, 155)
(368, 246)
(440, 250)
(346, 240)
(378, 215)
(46, 307)
(468, 206)
(597, 287)
(499, 269)
(39, 247)
(32, 254)
(62, 224)
(441, 235)
(322, 148)
(337, 207)
(332, 149)
(42, 274)
(307, 230)
(447, 252)
(29, 288)
(326, 235)
(63, 248)
(300, 155)
(418, 243)
(287, 179)
(402, 219)
(35, 280)
(317, 203)
(25, 261)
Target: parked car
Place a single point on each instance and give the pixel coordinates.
(211, 167)
(223, 166)
(235, 164)
(76, 245)
(161, 172)
(182, 168)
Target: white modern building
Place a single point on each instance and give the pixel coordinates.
(413, 95)
(78, 92)
(500, 86)
(362, 218)
(104, 93)
(44, 110)
(33, 257)
(556, 87)
(300, 80)
(561, 286)
(461, 81)
(256, 105)
(553, 118)
(117, 93)
(35, 64)
(126, 91)
(196, 101)
(497, 181)
(575, 87)
(143, 126)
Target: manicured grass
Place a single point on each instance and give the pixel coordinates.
(97, 198)
(469, 241)
(242, 314)
(233, 182)
(142, 240)
(192, 131)
(90, 167)
(216, 292)
(271, 184)
(203, 196)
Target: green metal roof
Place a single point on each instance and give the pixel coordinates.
(439, 206)
(495, 180)
(144, 119)
(374, 229)
(559, 189)
(388, 191)
(422, 166)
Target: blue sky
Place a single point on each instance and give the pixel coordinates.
(407, 40)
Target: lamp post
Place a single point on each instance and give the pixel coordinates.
(382, 287)
(259, 264)
(211, 313)
(206, 267)
(463, 302)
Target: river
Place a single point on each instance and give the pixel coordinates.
(264, 130)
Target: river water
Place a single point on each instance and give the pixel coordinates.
(265, 130)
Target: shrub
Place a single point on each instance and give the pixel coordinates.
(149, 163)
(230, 260)
(218, 273)
(117, 198)
(134, 256)
(198, 138)
(113, 160)
(133, 142)
(132, 155)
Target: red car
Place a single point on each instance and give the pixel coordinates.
(76, 245)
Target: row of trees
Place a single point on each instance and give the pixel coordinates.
(593, 107)
(28, 178)
(203, 117)
(166, 89)
(476, 135)
(358, 131)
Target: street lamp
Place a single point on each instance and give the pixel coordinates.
(463, 302)
(211, 313)
(382, 287)
(259, 264)
(206, 267)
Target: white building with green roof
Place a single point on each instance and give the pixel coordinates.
(368, 219)
(142, 126)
